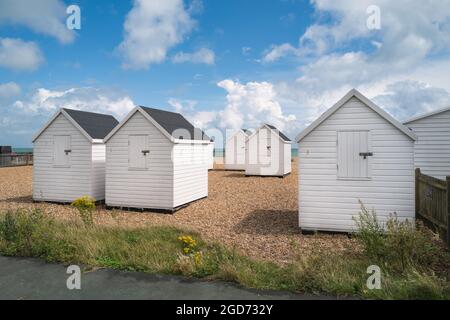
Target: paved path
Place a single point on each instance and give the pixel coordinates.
(22, 278)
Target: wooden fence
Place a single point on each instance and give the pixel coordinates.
(433, 203)
(12, 160)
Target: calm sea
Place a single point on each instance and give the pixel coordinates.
(22, 150)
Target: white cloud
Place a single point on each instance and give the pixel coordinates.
(45, 101)
(278, 51)
(422, 30)
(9, 89)
(405, 99)
(246, 50)
(202, 55)
(203, 119)
(200, 119)
(16, 54)
(182, 105)
(250, 105)
(45, 16)
(152, 28)
(404, 66)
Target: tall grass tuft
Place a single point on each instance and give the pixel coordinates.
(397, 245)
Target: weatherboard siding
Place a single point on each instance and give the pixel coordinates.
(98, 171)
(190, 176)
(329, 203)
(61, 184)
(287, 156)
(258, 162)
(432, 149)
(235, 152)
(147, 188)
(209, 155)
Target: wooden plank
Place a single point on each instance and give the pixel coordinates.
(438, 185)
(433, 202)
(433, 221)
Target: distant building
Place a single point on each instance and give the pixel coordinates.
(268, 153)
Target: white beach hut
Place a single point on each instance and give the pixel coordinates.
(354, 152)
(155, 159)
(268, 153)
(235, 150)
(69, 156)
(209, 155)
(432, 148)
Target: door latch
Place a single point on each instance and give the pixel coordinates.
(145, 152)
(67, 151)
(366, 154)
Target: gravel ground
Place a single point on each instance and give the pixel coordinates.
(256, 215)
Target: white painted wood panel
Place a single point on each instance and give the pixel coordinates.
(267, 154)
(98, 171)
(190, 173)
(62, 179)
(432, 149)
(170, 175)
(209, 155)
(151, 187)
(328, 203)
(235, 152)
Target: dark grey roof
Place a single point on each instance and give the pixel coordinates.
(281, 134)
(176, 125)
(97, 125)
(246, 131)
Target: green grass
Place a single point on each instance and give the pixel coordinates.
(157, 250)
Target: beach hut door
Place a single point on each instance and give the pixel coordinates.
(61, 151)
(354, 154)
(138, 152)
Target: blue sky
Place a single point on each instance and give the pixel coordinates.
(223, 64)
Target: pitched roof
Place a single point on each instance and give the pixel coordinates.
(172, 122)
(96, 125)
(281, 134)
(247, 132)
(355, 93)
(426, 115)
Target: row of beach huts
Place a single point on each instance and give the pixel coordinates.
(156, 159)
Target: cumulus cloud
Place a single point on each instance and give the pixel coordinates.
(246, 50)
(404, 66)
(203, 55)
(203, 119)
(16, 54)
(9, 89)
(45, 17)
(277, 52)
(406, 99)
(44, 101)
(152, 28)
(422, 31)
(250, 105)
(182, 105)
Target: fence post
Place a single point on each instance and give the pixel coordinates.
(417, 192)
(448, 211)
